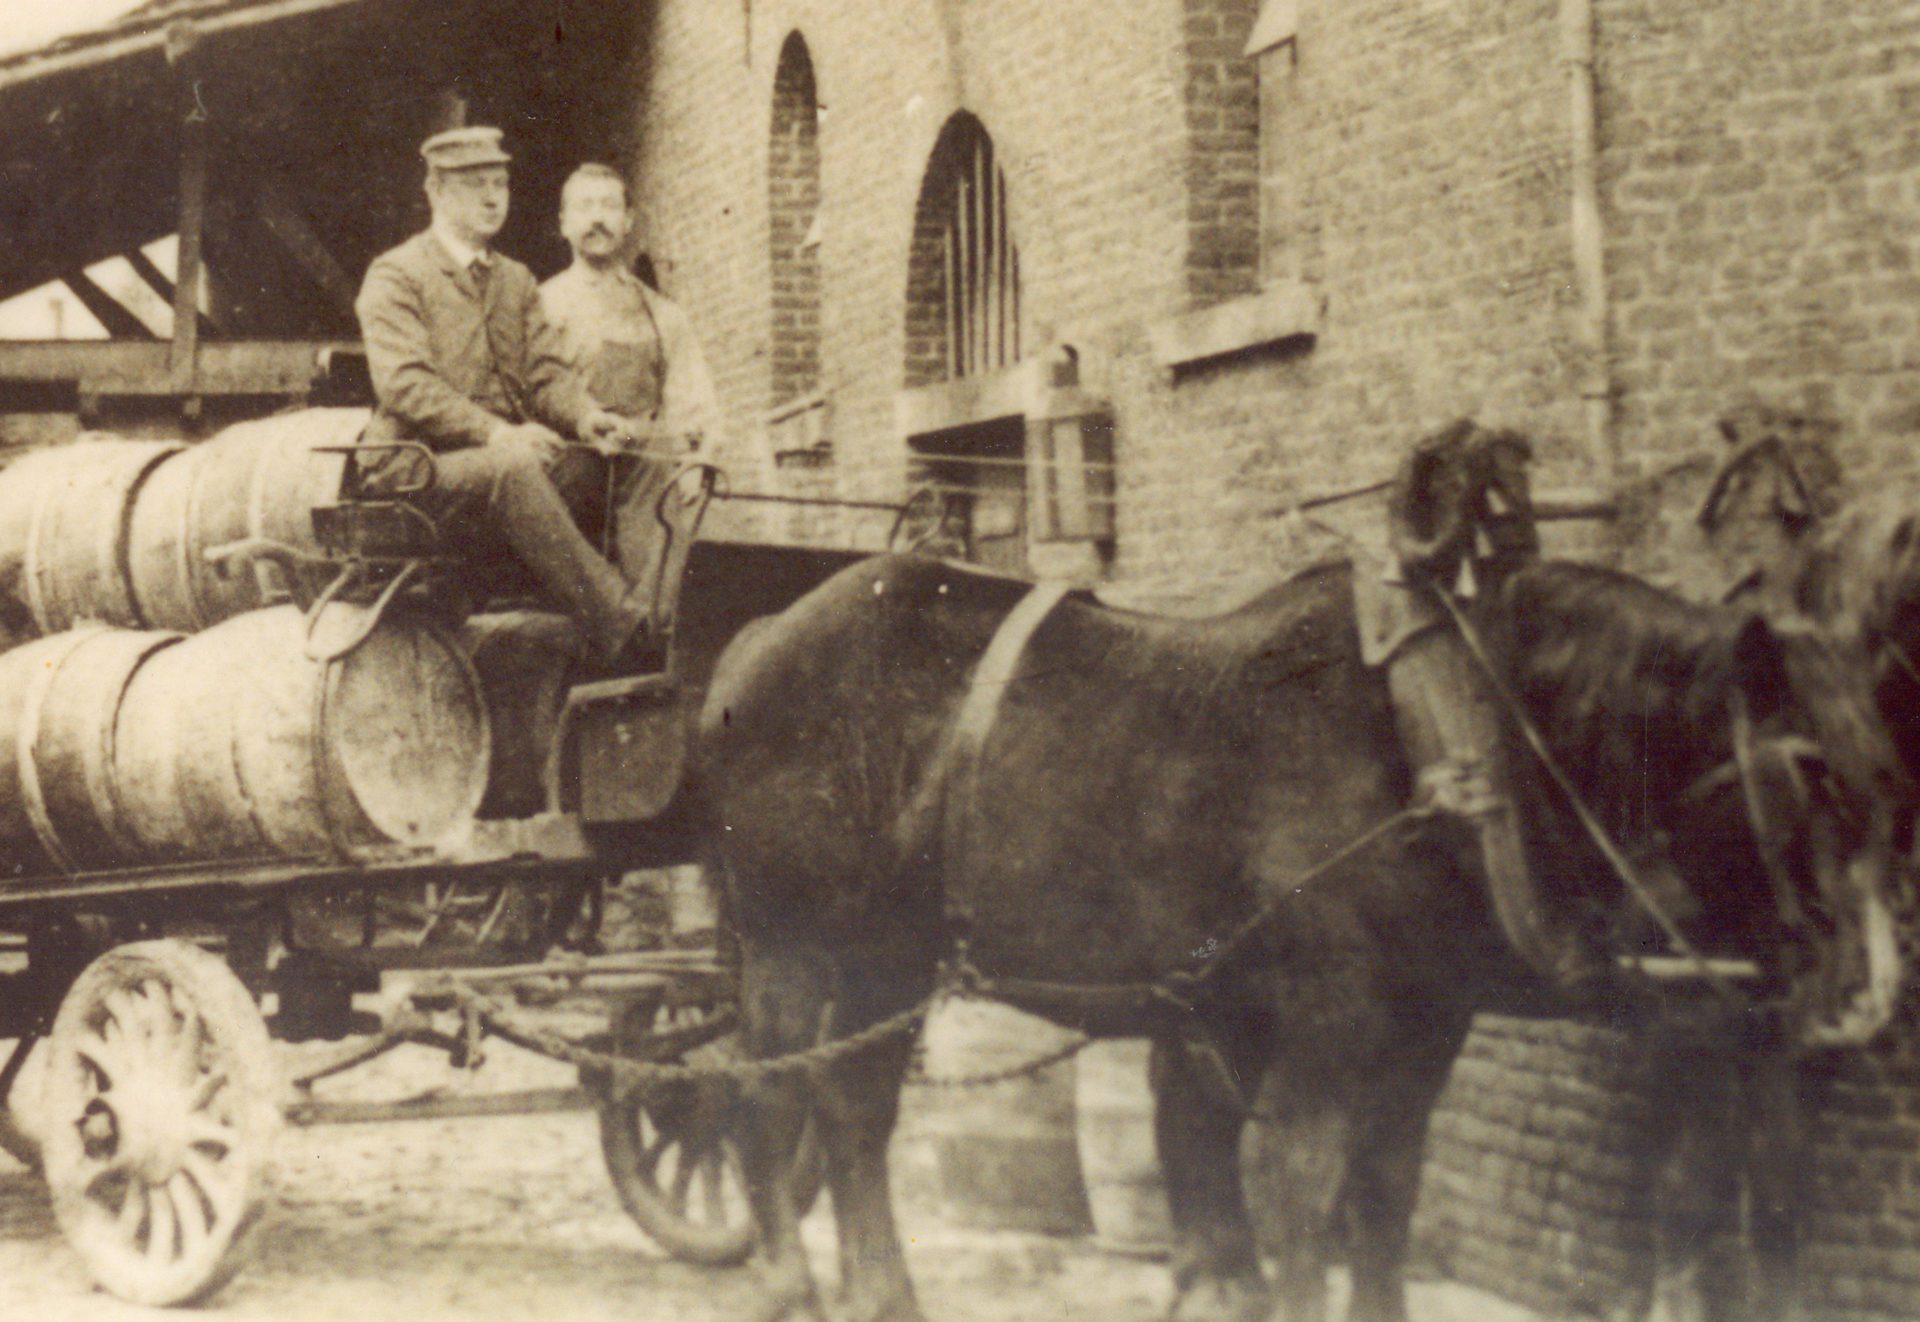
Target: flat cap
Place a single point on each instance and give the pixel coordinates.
(464, 149)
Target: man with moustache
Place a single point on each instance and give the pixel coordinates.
(635, 349)
(465, 362)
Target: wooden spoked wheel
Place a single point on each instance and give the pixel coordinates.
(674, 1163)
(161, 1111)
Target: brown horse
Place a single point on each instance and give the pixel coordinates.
(1111, 806)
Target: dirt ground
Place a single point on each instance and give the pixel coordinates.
(511, 1218)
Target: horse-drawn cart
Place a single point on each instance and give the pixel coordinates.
(153, 981)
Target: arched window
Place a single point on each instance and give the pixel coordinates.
(963, 295)
(793, 184)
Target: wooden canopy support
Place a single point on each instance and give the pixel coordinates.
(108, 310)
(193, 214)
(284, 221)
(158, 281)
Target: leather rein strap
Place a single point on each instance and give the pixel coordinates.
(1596, 831)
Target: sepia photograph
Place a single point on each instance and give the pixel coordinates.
(960, 660)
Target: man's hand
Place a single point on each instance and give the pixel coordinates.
(545, 443)
(607, 430)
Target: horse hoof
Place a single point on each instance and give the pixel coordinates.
(1222, 1299)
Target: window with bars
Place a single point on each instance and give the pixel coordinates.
(983, 268)
(964, 299)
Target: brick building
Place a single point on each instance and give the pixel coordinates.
(1245, 252)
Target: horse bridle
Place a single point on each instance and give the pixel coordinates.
(1744, 769)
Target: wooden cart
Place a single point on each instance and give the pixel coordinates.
(154, 992)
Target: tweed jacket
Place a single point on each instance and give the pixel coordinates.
(450, 363)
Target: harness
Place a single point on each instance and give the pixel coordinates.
(1169, 1002)
(1742, 769)
(998, 670)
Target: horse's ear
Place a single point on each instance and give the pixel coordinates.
(1760, 667)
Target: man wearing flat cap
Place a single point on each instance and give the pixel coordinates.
(465, 361)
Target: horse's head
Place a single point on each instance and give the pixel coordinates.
(1813, 802)
(1742, 765)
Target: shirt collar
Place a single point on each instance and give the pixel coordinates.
(593, 275)
(463, 253)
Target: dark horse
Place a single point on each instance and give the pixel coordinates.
(1134, 789)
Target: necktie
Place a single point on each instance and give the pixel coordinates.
(480, 269)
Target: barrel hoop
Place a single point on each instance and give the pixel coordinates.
(33, 795)
(191, 570)
(106, 550)
(240, 783)
(329, 777)
(264, 468)
(123, 535)
(106, 792)
(36, 565)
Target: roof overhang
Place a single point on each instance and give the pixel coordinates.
(175, 25)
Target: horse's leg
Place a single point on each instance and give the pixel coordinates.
(1294, 1153)
(1197, 1118)
(1776, 1162)
(1384, 1183)
(783, 1003)
(1695, 1179)
(857, 1103)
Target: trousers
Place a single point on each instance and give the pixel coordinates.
(488, 498)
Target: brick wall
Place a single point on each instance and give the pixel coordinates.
(1759, 209)
(1759, 195)
(1533, 1185)
(1095, 198)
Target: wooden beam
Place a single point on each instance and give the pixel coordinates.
(121, 367)
(59, 59)
(110, 312)
(156, 279)
(192, 223)
(284, 221)
(158, 282)
(193, 217)
(455, 1106)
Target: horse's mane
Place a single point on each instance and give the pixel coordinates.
(1629, 684)
(1860, 571)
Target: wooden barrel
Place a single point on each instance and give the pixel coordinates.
(526, 661)
(1006, 1151)
(65, 520)
(233, 743)
(1118, 1158)
(256, 479)
(59, 698)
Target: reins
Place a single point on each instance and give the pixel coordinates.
(1596, 831)
(1178, 991)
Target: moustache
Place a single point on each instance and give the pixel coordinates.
(601, 230)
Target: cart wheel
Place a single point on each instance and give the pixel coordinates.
(677, 1173)
(161, 1110)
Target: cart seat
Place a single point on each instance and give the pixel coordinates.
(375, 530)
